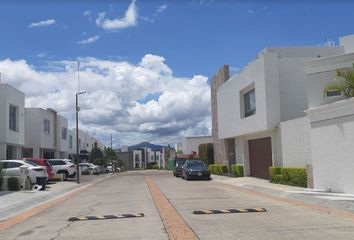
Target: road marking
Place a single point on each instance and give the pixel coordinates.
(233, 210)
(175, 226)
(102, 217)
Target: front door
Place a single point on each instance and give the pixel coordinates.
(260, 156)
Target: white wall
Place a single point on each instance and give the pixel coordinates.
(348, 43)
(230, 120)
(322, 72)
(191, 144)
(63, 144)
(295, 142)
(332, 138)
(10, 95)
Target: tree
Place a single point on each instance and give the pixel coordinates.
(344, 82)
(96, 152)
(110, 154)
(101, 161)
(206, 153)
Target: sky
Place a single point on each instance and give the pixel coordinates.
(146, 65)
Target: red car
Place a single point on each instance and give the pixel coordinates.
(42, 162)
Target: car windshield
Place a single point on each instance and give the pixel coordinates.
(195, 165)
(32, 163)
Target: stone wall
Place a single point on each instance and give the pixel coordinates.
(219, 144)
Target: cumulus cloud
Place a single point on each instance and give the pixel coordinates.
(113, 102)
(129, 20)
(89, 40)
(44, 23)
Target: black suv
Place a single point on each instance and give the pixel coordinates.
(177, 166)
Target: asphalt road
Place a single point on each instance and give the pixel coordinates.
(128, 193)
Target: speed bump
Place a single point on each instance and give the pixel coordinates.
(102, 217)
(234, 210)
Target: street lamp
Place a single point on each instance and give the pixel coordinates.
(77, 137)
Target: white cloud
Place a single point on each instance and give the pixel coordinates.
(44, 23)
(87, 13)
(161, 8)
(89, 40)
(111, 102)
(129, 20)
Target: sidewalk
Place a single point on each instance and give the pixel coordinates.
(14, 203)
(336, 201)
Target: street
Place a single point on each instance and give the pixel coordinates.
(131, 193)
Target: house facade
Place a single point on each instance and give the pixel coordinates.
(41, 138)
(191, 144)
(331, 118)
(12, 122)
(260, 111)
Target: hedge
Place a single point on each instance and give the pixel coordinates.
(237, 170)
(218, 169)
(288, 176)
(13, 184)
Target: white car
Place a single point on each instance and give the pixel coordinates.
(37, 174)
(63, 166)
(90, 167)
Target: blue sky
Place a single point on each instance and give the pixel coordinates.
(183, 42)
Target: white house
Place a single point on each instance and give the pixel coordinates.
(45, 134)
(191, 144)
(12, 122)
(331, 118)
(260, 110)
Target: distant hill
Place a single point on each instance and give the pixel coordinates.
(153, 147)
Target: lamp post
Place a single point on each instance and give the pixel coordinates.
(77, 137)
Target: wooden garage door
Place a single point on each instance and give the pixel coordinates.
(260, 155)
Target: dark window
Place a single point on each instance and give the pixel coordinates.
(333, 93)
(14, 165)
(46, 126)
(70, 141)
(13, 117)
(250, 103)
(57, 162)
(63, 133)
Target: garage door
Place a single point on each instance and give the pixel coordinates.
(260, 155)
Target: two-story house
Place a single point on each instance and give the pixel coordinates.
(260, 110)
(12, 122)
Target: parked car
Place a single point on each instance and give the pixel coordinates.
(63, 166)
(195, 169)
(43, 162)
(89, 167)
(37, 174)
(177, 166)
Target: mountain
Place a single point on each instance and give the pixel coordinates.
(141, 145)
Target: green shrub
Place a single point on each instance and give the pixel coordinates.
(218, 169)
(288, 176)
(13, 184)
(237, 170)
(86, 172)
(155, 167)
(295, 176)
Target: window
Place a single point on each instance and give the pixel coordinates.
(250, 102)
(333, 93)
(13, 118)
(63, 133)
(70, 141)
(46, 127)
